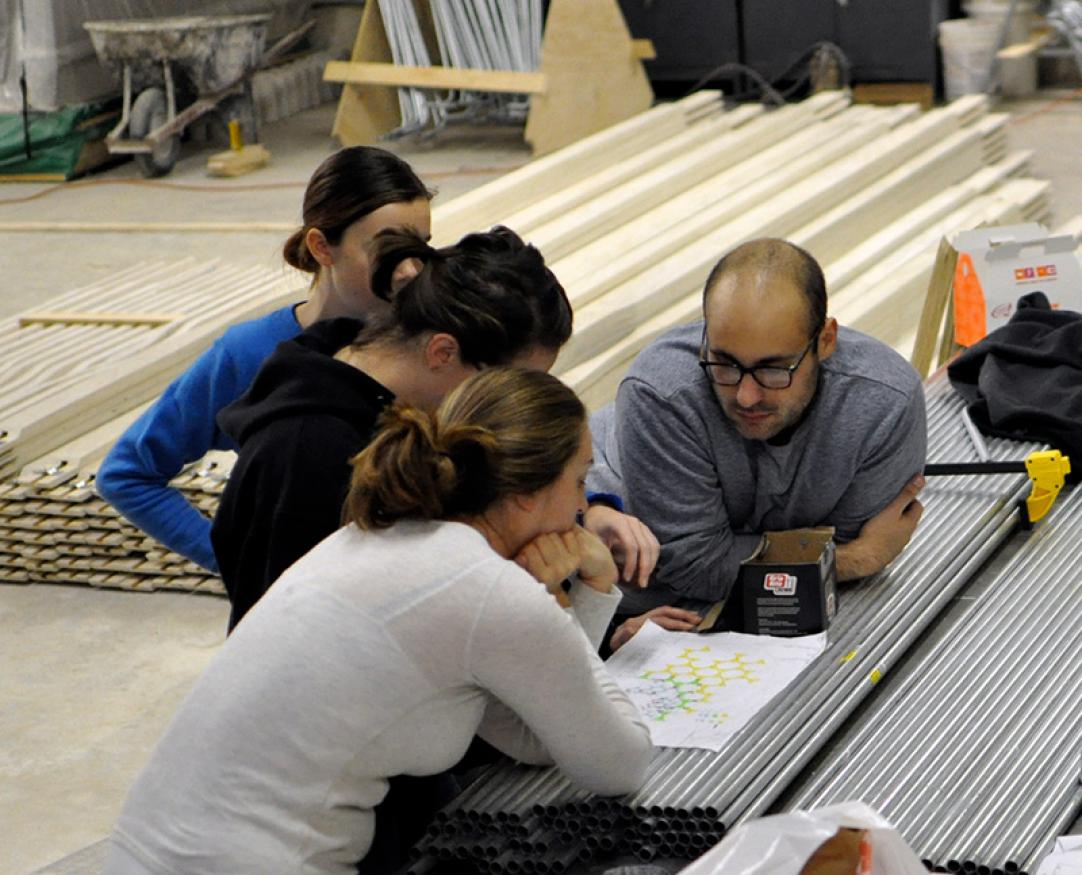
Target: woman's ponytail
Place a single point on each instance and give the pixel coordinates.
(391, 249)
(410, 470)
(502, 432)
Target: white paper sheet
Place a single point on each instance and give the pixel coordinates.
(698, 690)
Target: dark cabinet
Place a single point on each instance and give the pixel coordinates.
(691, 37)
(778, 32)
(885, 40)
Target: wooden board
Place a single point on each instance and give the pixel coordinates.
(441, 78)
(68, 317)
(885, 93)
(494, 201)
(593, 78)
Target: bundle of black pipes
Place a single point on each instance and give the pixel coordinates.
(979, 769)
(691, 798)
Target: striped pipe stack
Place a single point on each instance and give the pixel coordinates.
(692, 797)
(979, 769)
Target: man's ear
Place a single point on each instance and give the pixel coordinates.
(320, 248)
(442, 350)
(828, 338)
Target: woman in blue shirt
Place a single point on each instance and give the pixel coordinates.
(354, 195)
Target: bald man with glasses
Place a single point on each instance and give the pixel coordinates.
(766, 416)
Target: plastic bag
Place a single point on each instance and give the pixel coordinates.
(785, 843)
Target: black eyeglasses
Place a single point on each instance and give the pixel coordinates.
(767, 376)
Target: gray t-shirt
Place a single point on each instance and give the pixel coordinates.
(708, 493)
(376, 654)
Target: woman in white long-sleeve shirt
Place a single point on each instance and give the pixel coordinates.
(395, 640)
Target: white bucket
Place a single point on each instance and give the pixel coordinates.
(968, 45)
(995, 12)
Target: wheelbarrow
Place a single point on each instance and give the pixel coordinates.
(212, 56)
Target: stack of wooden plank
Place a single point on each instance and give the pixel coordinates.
(631, 221)
(99, 351)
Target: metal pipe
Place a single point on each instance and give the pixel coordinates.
(853, 651)
(897, 811)
(1044, 842)
(938, 672)
(760, 793)
(998, 611)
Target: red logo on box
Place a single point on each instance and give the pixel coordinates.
(1041, 271)
(780, 583)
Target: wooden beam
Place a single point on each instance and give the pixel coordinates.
(146, 227)
(658, 185)
(442, 78)
(61, 317)
(936, 301)
(495, 201)
(568, 197)
(593, 80)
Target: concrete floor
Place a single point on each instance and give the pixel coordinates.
(90, 678)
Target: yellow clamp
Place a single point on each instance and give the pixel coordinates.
(1047, 470)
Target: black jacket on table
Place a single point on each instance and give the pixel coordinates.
(302, 419)
(1024, 380)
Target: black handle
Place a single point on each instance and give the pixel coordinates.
(941, 468)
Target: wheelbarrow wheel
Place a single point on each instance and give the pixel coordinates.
(149, 111)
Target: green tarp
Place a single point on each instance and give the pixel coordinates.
(56, 138)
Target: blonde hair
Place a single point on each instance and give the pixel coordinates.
(502, 432)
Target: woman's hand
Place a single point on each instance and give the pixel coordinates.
(554, 556)
(633, 545)
(597, 568)
(667, 617)
(551, 558)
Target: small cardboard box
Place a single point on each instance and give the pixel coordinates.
(997, 266)
(787, 586)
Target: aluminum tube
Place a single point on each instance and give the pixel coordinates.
(478, 795)
(506, 791)
(1036, 671)
(855, 669)
(899, 711)
(1043, 844)
(960, 716)
(674, 766)
(988, 786)
(762, 792)
(1062, 721)
(464, 799)
(856, 672)
(1046, 766)
(916, 826)
(1006, 806)
(746, 747)
(505, 779)
(1031, 823)
(1010, 719)
(549, 784)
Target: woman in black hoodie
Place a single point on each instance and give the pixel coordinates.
(488, 300)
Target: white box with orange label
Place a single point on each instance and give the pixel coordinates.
(997, 266)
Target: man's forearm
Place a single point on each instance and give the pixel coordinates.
(856, 560)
